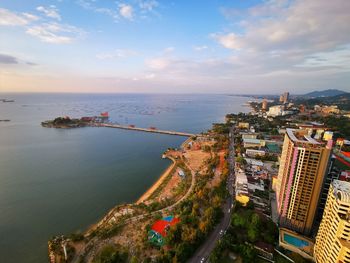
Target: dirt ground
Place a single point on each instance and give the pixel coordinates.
(196, 158)
(168, 190)
(216, 179)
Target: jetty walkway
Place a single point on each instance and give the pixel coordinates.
(153, 130)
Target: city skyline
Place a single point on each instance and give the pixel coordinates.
(174, 47)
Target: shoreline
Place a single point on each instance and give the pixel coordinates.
(157, 183)
(162, 177)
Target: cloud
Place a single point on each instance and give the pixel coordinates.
(231, 40)
(158, 63)
(304, 25)
(200, 48)
(148, 6)
(55, 33)
(126, 11)
(169, 50)
(150, 76)
(118, 53)
(7, 59)
(8, 18)
(50, 11)
(90, 5)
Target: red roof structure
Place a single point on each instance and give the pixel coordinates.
(104, 114)
(162, 226)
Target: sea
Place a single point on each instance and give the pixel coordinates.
(60, 181)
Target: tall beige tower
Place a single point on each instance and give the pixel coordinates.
(333, 237)
(302, 169)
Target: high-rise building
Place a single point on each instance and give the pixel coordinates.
(285, 97)
(333, 237)
(281, 98)
(264, 105)
(302, 169)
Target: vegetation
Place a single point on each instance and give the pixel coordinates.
(246, 228)
(111, 254)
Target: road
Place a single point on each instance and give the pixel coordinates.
(203, 252)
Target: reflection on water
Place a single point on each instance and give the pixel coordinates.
(61, 180)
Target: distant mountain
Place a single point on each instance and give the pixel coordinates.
(325, 93)
(341, 100)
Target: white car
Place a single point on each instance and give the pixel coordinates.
(202, 260)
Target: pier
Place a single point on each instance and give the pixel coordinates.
(151, 129)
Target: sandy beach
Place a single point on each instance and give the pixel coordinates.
(154, 187)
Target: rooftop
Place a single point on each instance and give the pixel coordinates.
(300, 136)
(341, 186)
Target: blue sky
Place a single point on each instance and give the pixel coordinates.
(236, 46)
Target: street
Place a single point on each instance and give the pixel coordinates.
(203, 252)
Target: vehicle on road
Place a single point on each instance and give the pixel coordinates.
(202, 260)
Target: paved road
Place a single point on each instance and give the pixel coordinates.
(202, 254)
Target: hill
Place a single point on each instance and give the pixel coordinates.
(325, 93)
(341, 100)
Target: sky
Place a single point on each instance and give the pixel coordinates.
(154, 46)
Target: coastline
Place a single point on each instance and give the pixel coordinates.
(157, 183)
(160, 180)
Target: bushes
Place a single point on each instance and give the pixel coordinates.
(111, 254)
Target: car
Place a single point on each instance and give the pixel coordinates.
(221, 232)
(202, 260)
(229, 210)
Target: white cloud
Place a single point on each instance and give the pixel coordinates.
(31, 17)
(118, 53)
(169, 50)
(50, 11)
(200, 48)
(280, 24)
(55, 33)
(158, 63)
(231, 40)
(126, 11)
(8, 18)
(150, 76)
(90, 5)
(148, 5)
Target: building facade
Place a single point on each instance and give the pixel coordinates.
(333, 237)
(302, 169)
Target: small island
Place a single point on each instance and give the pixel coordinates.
(67, 122)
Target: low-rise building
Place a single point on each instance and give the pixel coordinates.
(249, 135)
(275, 110)
(241, 186)
(253, 152)
(243, 125)
(252, 143)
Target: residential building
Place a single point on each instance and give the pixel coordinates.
(275, 110)
(252, 143)
(302, 168)
(333, 237)
(285, 97)
(241, 186)
(250, 135)
(243, 125)
(253, 152)
(264, 105)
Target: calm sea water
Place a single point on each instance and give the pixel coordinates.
(58, 181)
